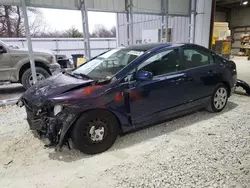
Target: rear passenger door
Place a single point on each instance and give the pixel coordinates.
(202, 70)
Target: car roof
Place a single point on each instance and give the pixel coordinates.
(150, 46)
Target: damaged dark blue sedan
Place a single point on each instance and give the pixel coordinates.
(125, 89)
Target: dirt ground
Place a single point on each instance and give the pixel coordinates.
(198, 150)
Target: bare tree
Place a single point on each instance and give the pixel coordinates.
(7, 18)
(113, 31)
(18, 22)
(12, 22)
(103, 32)
(73, 33)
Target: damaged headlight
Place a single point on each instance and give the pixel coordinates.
(57, 109)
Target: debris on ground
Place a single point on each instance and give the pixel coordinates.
(6, 165)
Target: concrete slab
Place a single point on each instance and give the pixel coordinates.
(9, 93)
(243, 68)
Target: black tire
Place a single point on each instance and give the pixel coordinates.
(81, 136)
(27, 74)
(212, 107)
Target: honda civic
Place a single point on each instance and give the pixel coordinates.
(125, 89)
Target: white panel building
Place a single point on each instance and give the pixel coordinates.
(179, 25)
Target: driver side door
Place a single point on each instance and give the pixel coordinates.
(163, 93)
(5, 64)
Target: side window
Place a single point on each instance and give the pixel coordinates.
(196, 58)
(162, 63)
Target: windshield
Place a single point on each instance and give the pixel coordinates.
(108, 64)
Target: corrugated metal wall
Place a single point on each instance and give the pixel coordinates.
(240, 17)
(202, 24)
(66, 46)
(239, 24)
(179, 25)
(237, 34)
(220, 17)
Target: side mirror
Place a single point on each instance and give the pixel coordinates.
(2, 50)
(144, 75)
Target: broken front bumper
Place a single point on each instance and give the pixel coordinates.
(55, 128)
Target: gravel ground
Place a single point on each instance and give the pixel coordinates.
(198, 150)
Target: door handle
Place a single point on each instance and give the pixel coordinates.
(188, 78)
(180, 80)
(184, 79)
(210, 72)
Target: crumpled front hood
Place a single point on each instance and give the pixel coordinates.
(52, 86)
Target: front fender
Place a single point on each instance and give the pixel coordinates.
(25, 61)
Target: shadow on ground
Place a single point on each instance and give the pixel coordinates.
(142, 135)
(241, 92)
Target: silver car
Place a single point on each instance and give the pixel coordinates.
(15, 65)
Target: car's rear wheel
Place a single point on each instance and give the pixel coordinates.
(219, 99)
(94, 132)
(27, 78)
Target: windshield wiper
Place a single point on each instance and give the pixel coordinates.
(83, 75)
(67, 72)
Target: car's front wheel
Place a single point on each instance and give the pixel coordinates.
(219, 99)
(94, 132)
(27, 79)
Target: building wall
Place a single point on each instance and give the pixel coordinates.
(179, 25)
(65, 46)
(220, 17)
(239, 25)
(240, 16)
(202, 24)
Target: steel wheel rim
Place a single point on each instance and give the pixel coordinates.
(96, 130)
(220, 98)
(39, 76)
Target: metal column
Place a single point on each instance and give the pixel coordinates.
(27, 32)
(129, 23)
(117, 31)
(166, 21)
(192, 21)
(162, 19)
(85, 25)
(164, 5)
